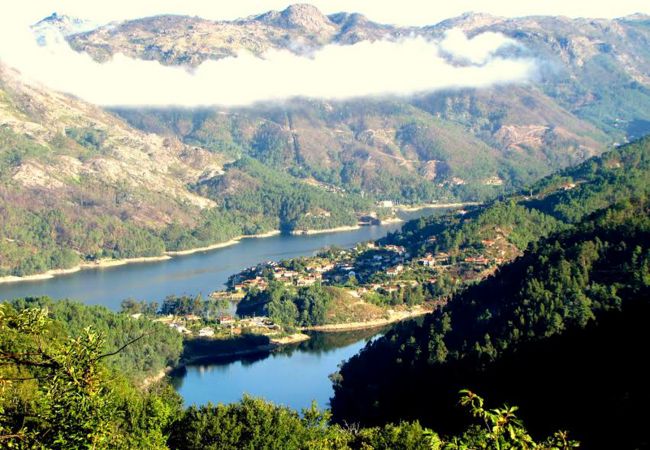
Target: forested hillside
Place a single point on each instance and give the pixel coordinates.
(589, 282)
(158, 347)
(59, 389)
(550, 205)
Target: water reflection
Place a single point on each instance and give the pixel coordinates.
(293, 375)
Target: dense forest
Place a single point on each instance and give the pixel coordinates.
(158, 345)
(529, 333)
(59, 390)
(550, 205)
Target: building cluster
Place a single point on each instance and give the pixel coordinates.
(192, 326)
(258, 277)
(372, 267)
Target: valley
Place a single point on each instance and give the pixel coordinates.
(226, 228)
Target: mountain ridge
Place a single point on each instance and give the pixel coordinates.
(593, 90)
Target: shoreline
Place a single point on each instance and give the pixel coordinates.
(233, 241)
(290, 339)
(273, 343)
(391, 220)
(352, 326)
(435, 206)
(100, 264)
(107, 263)
(224, 355)
(326, 230)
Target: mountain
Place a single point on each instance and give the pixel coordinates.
(79, 184)
(182, 40)
(66, 25)
(77, 181)
(558, 331)
(592, 89)
(572, 303)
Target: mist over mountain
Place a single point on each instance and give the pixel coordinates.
(335, 121)
(588, 88)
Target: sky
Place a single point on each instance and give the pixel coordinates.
(383, 68)
(403, 12)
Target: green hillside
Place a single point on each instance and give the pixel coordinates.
(591, 280)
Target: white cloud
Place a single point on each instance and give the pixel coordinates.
(476, 50)
(381, 68)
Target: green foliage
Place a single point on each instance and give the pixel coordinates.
(72, 405)
(599, 182)
(56, 393)
(34, 242)
(290, 203)
(252, 424)
(565, 285)
(501, 430)
(256, 424)
(90, 138)
(305, 306)
(557, 202)
(162, 345)
(15, 148)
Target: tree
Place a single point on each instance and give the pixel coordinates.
(73, 407)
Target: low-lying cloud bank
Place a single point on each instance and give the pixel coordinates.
(383, 68)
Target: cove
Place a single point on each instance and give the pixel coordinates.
(293, 376)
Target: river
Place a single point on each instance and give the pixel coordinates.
(202, 272)
(293, 376)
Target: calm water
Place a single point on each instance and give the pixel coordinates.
(292, 377)
(191, 274)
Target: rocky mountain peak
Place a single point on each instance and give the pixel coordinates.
(62, 23)
(470, 20)
(302, 16)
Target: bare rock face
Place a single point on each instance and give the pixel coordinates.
(302, 16)
(80, 141)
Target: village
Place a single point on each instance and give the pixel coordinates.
(384, 275)
(369, 267)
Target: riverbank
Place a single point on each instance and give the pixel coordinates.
(107, 263)
(412, 208)
(326, 230)
(232, 241)
(393, 317)
(391, 220)
(290, 339)
(100, 264)
(197, 350)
